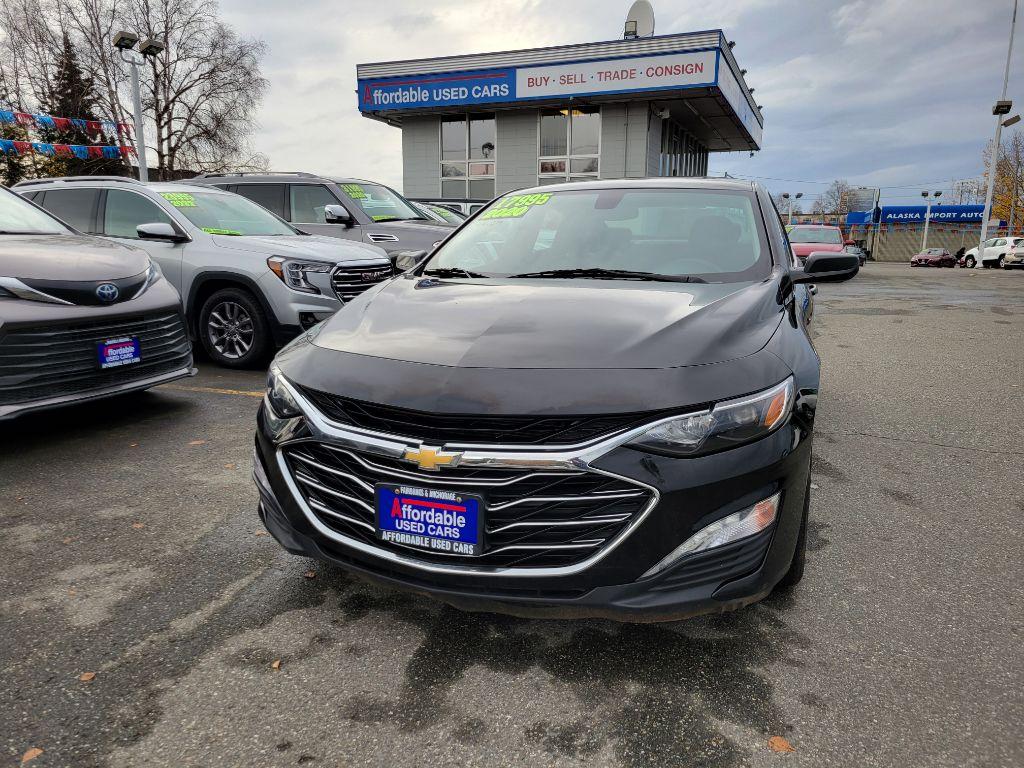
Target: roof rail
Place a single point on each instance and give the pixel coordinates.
(33, 182)
(257, 173)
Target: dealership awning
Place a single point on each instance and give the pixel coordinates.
(694, 77)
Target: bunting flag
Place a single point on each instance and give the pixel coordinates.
(91, 127)
(83, 151)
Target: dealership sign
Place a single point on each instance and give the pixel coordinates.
(907, 214)
(582, 78)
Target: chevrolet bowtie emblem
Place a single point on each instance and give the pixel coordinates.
(431, 459)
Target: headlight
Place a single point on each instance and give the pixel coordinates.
(280, 397)
(294, 273)
(153, 273)
(728, 424)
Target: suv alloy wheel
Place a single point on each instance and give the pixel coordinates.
(233, 330)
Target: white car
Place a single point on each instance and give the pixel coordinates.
(996, 249)
(1014, 258)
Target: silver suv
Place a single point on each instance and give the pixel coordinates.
(353, 209)
(249, 281)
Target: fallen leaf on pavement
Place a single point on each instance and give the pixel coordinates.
(68, 539)
(133, 445)
(229, 466)
(87, 677)
(197, 442)
(310, 574)
(138, 525)
(262, 533)
(779, 744)
(276, 664)
(32, 754)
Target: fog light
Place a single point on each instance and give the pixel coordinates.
(730, 528)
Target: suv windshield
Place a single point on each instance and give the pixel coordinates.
(381, 203)
(669, 234)
(828, 235)
(221, 213)
(18, 217)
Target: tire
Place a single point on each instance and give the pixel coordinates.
(233, 329)
(970, 263)
(1000, 263)
(796, 566)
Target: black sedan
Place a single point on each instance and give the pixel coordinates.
(594, 399)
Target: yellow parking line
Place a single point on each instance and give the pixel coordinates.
(215, 390)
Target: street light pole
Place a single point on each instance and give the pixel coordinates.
(1001, 108)
(928, 216)
(786, 196)
(140, 137)
(125, 42)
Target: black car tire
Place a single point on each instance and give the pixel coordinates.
(970, 262)
(796, 566)
(253, 332)
(1000, 262)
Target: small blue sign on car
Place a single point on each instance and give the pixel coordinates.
(114, 353)
(441, 521)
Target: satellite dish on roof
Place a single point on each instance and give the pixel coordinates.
(639, 20)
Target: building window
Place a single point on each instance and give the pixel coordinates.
(681, 153)
(570, 145)
(468, 157)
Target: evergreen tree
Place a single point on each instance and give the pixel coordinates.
(72, 94)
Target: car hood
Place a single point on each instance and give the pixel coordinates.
(806, 249)
(68, 257)
(314, 247)
(555, 324)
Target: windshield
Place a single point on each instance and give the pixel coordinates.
(700, 234)
(223, 213)
(450, 216)
(381, 203)
(18, 217)
(828, 235)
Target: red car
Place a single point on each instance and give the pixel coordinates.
(933, 257)
(815, 238)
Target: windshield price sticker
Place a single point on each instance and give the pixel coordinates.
(179, 199)
(355, 191)
(515, 206)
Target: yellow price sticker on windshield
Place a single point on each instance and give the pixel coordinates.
(515, 206)
(355, 191)
(219, 231)
(179, 199)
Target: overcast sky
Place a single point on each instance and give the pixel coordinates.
(885, 93)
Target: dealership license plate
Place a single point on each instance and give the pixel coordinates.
(432, 519)
(113, 353)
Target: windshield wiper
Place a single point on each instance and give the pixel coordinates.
(600, 273)
(385, 219)
(451, 272)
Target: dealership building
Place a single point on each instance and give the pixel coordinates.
(480, 125)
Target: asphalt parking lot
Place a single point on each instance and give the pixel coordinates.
(132, 551)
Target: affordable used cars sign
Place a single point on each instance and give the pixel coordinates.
(642, 73)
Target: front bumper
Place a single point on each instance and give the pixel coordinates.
(690, 494)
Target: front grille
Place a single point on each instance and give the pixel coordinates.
(349, 282)
(442, 428)
(56, 360)
(532, 518)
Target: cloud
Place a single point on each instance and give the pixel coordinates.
(891, 92)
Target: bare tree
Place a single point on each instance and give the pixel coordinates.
(200, 95)
(834, 200)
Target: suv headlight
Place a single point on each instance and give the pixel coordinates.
(279, 396)
(726, 425)
(293, 272)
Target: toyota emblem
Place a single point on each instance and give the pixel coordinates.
(107, 292)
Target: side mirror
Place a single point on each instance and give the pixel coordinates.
(160, 230)
(338, 214)
(406, 260)
(822, 267)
